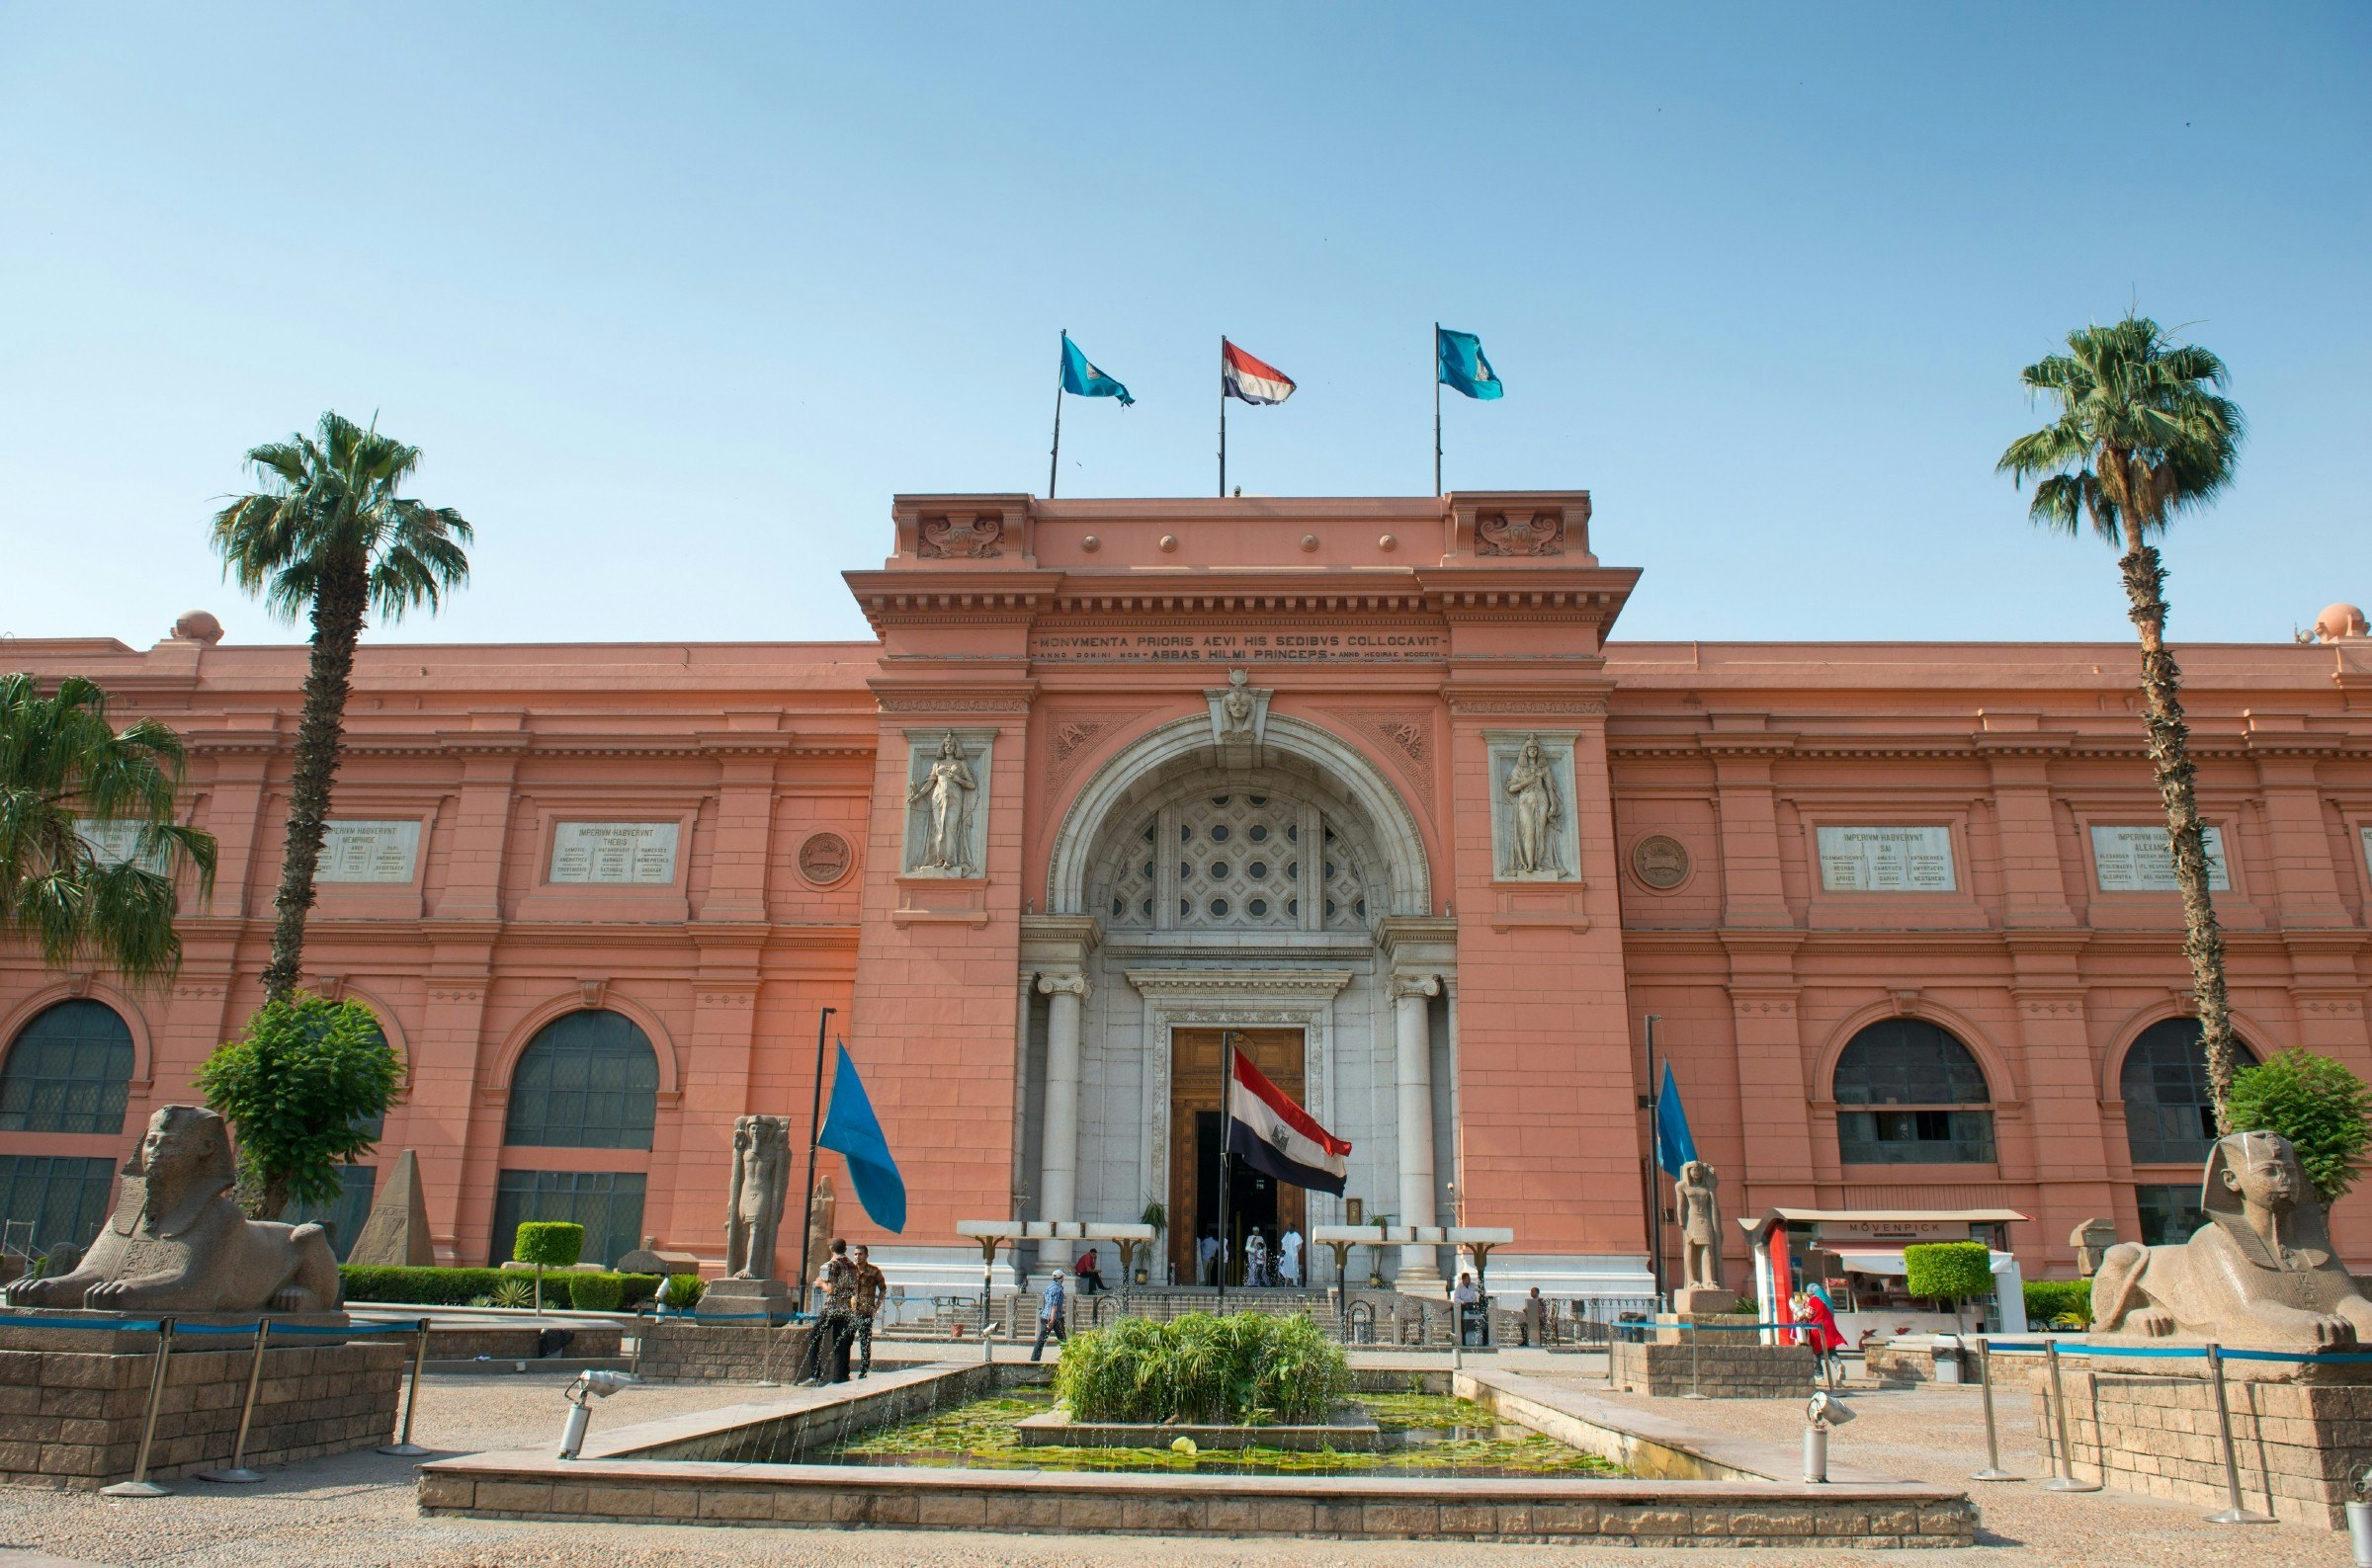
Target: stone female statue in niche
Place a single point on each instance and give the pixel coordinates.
(945, 794)
(1533, 810)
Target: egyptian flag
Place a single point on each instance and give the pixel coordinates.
(1277, 1138)
(1241, 375)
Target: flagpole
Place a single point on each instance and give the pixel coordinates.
(806, 1230)
(1054, 457)
(1223, 474)
(1227, 1096)
(1437, 408)
(1655, 1149)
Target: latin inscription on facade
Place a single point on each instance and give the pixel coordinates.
(369, 852)
(2141, 860)
(1887, 861)
(615, 854)
(113, 841)
(1374, 645)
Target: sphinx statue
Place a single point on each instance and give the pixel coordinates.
(178, 1242)
(2259, 1273)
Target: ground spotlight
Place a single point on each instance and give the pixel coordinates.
(588, 1386)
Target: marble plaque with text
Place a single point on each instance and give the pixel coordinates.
(369, 852)
(1887, 860)
(2139, 860)
(113, 841)
(615, 854)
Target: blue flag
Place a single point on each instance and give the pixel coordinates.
(1673, 1146)
(852, 1129)
(1462, 367)
(1082, 379)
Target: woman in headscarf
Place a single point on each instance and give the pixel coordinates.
(1819, 1330)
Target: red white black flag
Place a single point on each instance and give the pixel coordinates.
(1267, 1131)
(1253, 380)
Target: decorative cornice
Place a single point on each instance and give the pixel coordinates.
(1252, 984)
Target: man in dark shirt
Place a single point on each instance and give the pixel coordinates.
(827, 1348)
(872, 1288)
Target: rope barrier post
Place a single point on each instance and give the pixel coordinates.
(1696, 1378)
(403, 1447)
(238, 1474)
(1993, 1470)
(139, 1485)
(2235, 1512)
(2063, 1478)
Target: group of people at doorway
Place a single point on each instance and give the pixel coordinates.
(1266, 1262)
(852, 1290)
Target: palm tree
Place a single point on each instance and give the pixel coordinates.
(2141, 436)
(330, 534)
(112, 901)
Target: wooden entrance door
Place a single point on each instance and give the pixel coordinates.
(1194, 1096)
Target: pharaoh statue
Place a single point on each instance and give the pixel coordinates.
(1696, 1194)
(1533, 811)
(761, 1183)
(945, 795)
(822, 1209)
(178, 1242)
(2259, 1273)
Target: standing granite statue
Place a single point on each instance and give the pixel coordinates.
(761, 1183)
(822, 1209)
(2259, 1273)
(1696, 1192)
(177, 1243)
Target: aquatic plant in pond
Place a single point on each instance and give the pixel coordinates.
(1201, 1368)
(1426, 1436)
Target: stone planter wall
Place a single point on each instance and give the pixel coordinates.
(71, 1419)
(687, 1351)
(1716, 1369)
(2296, 1443)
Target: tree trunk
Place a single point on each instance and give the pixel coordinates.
(338, 608)
(2170, 757)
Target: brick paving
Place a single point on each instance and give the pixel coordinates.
(357, 1510)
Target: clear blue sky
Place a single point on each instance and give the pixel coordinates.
(675, 297)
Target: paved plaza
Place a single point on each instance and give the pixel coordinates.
(357, 1511)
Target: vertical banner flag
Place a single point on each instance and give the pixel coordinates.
(1267, 1131)
(852, 1129)
(1253, 380)
(1462, 366)
(1674, 1145)
(1082, 379)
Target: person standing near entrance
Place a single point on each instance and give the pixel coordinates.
(1209, 1249)
(1050, 1315)
(872, 1287)
(1289, 1254)
(1255, 1260)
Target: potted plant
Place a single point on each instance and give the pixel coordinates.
(1157, 1217)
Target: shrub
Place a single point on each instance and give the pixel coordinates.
(2315, 1104)
(1246, 1367)
(548, 1244)
(1948, 1270)
(429, 1286)
(510, 1292)
(596, 1292)
(684, 1290)
(300, 1090)
(2051, 1300)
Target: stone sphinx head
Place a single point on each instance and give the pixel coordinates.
(186, 1154)
(2255, 1187)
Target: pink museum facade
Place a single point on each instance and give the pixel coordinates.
(1366, 780)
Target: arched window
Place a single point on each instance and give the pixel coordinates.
(70, 1070)
(2169, 1117)
(587, 1081)
(1920, 1078)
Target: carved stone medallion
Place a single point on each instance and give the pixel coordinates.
(963, 538)
(1659, 861)
(1535, 533)
(825, 858)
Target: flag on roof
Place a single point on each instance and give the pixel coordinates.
(1267, 1131)
(1461, 365)
(1253, 380)
(1082, 379)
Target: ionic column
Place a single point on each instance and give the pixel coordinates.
(1058, 1161)
(1413, 1026)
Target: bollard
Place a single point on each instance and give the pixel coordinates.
(1816, 1454)
(139, 1485)
(1993, 1470)
(238, 1474)
(2233, 1512)
(403, 1446)
(2064, 1471)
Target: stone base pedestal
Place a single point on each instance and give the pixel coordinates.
(748, 1296)
(2297, 1444)
(1685, 1358)
(1696, 1300)
(71, 1418)
(686, 1350)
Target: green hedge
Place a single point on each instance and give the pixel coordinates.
(461, 1286)
(2047, 1299)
